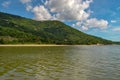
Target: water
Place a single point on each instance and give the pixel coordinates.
(60, 63)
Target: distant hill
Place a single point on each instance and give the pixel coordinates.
(18, 30)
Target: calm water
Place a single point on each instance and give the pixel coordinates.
(60, 63)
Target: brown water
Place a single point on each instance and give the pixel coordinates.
(60, 63)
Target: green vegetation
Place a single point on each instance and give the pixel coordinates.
(19, 30)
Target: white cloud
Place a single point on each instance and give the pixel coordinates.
(26, 1)
(78, 23)
(116, 29)
(27, 4)
(29, 7)
(66, 10)
(69, 9)
(6, 3)
(84, 28)
(113, 21)
(94, 23)
(41, 13)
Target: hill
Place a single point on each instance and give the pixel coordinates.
(18, 30)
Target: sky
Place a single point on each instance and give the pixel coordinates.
(96, 17)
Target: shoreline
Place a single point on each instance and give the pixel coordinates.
(18, 45)
(28, 45)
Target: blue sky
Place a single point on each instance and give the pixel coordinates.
(97, 17)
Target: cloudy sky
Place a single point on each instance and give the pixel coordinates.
(97, 17)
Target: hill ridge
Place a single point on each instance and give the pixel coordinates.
(15, 29)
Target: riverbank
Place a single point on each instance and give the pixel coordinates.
(31, 45)
(20, 45)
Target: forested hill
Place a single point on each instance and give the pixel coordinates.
(18, 30)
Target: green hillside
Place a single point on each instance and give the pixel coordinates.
(17, 30)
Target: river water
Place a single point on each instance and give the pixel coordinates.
(60, 63)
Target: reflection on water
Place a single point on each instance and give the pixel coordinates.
(60, 63)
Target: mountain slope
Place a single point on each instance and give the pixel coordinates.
(16, 29)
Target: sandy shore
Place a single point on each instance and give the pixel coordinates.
(32, 45)
(17, 45)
